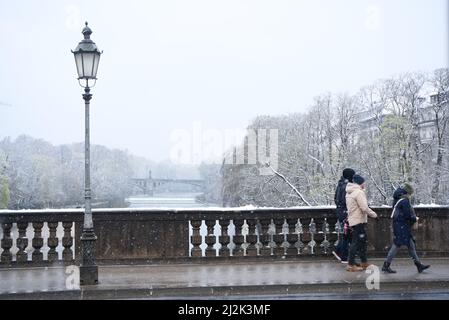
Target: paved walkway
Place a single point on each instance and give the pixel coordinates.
(226, 279)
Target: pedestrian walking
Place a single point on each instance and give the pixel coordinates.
(342, 248)
(404, 218)
(358, 212)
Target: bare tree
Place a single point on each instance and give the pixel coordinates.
(440, 83)
(376, 131)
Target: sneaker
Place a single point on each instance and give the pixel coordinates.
(344, 261)
(353, 268)
(336, 255)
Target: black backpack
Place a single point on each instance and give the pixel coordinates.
(340, 200)
(340, 195)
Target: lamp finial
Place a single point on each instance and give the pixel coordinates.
(86, 32)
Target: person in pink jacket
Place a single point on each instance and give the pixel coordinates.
(358, 212)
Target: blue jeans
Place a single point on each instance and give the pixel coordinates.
(411, 251)
(342, 248)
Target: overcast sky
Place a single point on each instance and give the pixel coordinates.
(170, 65)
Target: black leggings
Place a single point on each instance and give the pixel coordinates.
(358, 244)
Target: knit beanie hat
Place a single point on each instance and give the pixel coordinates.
(358, 179)
(408, 188)
(348, 174)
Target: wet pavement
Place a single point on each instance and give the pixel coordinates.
(252, 279)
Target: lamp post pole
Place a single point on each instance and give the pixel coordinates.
(87, 57)
(88, 268)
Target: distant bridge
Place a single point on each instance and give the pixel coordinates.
(148, 186)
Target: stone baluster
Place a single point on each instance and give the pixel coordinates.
(285, 232)
(339, 233)
(278, 238)
(312, 232)
(196, 239)
(37, 242)
(22, 242)
(299, 245)
(6, 243)
(292, 237)
(264, 237)
(238, 239)
(210, 239)
(224, 239)
(52, 241)
(325, 244)
(67, 241)
(251, 238)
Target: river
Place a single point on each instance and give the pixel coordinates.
(166, 200)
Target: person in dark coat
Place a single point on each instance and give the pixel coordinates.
(403, 218)
(342, 249)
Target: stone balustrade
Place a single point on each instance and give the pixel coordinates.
(38, 237)
(46, 237)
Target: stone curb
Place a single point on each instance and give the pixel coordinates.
(224, 291)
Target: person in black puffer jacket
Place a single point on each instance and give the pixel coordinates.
(341, 251)
(403, 218)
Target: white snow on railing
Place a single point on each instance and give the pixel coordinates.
(193, 209)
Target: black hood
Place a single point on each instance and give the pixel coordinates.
(398, 193)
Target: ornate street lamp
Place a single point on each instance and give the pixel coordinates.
(87, 57)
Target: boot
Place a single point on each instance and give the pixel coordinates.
(386, 268)
(421, 267)
(365, 265)
(353, 268)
